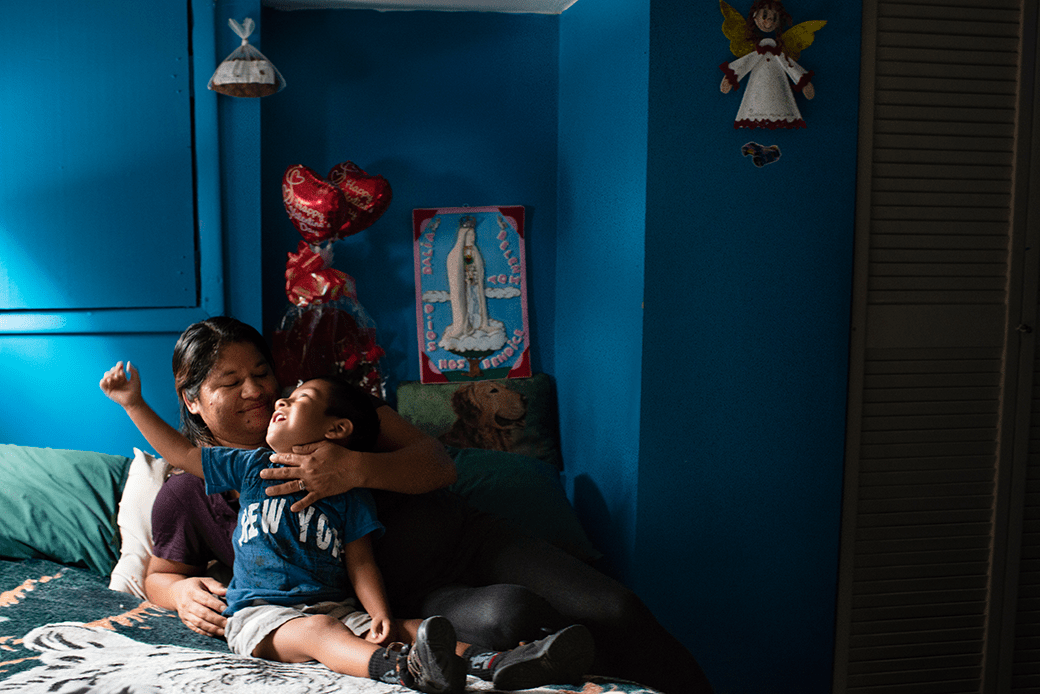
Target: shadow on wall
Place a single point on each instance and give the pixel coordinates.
(595, 517)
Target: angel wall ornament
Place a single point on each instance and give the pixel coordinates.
(769, 64)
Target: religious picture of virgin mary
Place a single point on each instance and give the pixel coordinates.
(471, 293)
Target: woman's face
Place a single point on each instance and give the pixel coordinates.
(237, 398)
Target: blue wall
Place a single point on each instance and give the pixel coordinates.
(452, 108)
(703, 433)
(599, 284)
(745, 348)
(692, 308)
(51, 362)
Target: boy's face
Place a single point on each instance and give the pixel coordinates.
(300, 418)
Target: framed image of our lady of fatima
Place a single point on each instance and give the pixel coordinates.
(471, 293)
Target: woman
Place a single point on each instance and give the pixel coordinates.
(438, 555)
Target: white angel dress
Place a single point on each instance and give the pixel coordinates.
(768, 101)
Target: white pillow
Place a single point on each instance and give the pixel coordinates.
(143, 481)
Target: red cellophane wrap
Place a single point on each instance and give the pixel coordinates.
(325, 330)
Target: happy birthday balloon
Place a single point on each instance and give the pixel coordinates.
(315, 206)
(349, 201)
(367, 196)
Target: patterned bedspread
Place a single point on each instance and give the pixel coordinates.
(62, 630)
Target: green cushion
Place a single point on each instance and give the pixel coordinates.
(429, 406)
(525, 490)
(61, 505)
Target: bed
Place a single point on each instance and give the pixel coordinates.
(73, 545)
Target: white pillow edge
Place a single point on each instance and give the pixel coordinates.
(143, 480)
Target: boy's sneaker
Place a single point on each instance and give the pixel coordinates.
(562, 658)
(432, 661)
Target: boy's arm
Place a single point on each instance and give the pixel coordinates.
(368, 586)
(167, 441)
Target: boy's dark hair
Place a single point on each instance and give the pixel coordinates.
(349, 401)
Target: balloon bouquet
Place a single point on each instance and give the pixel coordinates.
(326, 330)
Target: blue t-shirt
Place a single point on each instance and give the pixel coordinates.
(283, 557)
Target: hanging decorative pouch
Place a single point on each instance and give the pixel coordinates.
(246, 72)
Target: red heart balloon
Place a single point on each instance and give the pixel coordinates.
(316, 207)
(367, 197)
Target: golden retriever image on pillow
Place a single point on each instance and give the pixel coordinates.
(490, 414)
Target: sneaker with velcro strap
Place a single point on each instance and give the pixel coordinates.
(432, 662)
(562, 658)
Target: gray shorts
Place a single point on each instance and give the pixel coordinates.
(249, 626)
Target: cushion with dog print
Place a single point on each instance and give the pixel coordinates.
(517, 415)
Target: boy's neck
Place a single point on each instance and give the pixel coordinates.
(337, 442)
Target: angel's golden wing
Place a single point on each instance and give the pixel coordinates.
(734, 27)
(800, 36)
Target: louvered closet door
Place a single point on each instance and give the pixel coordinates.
(935, 440)
(1025, 671)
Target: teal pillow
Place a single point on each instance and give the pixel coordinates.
(61, 505)
(525, 490)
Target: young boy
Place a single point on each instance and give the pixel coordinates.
(286, 599)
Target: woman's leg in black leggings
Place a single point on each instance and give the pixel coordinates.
(498, 616)
(432, 546)
(630, 642)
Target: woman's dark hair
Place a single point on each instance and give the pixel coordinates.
(194, 355)
(349, 401)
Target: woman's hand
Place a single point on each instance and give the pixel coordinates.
(199, 604)
(198, 599)
(406, 460)
(325, 468)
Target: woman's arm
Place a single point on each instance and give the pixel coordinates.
(182, 587)
(406, 461)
